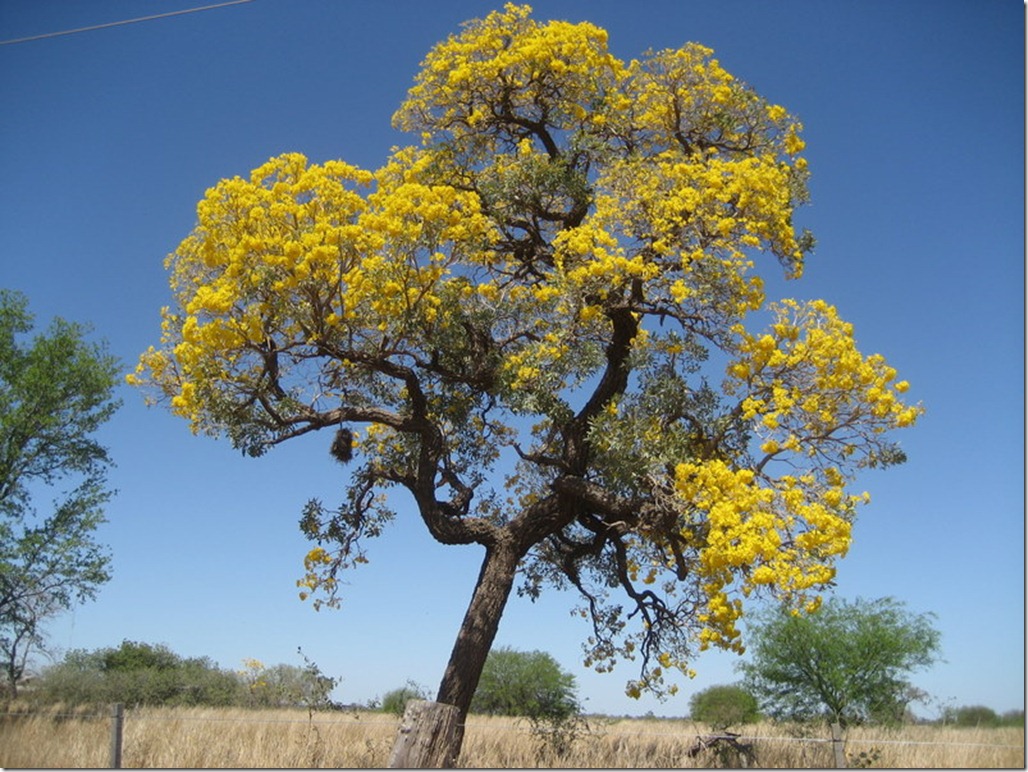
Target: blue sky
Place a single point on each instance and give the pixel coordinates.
(914, 116)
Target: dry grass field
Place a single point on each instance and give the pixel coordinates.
(234, 738)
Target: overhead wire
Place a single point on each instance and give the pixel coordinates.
(119, 23)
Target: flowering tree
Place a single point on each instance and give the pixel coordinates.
(539, 324)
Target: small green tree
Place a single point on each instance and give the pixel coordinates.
(724, 705)
(847, 662)
(55, 392)
(396, 701)
(530, 684)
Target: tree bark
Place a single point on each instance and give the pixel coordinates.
(477, 632)
(425, 736)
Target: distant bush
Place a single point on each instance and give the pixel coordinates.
(723, 706)
(971, 715)
(137, 674)
(132, 656)
(282, 686)
(981, 716)
(1012, 718)
(151, 674)
(396, 701)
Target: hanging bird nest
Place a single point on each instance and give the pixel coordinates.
(342, 446)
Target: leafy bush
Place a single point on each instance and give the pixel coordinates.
(723, 706)
(972, 715)
(286, 685)
(1012, 718)
(137, 674)
(396, 700)
(132, 656)
(530, 684)
(147, 674)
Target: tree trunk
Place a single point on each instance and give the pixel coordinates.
(476, 635)
(426, 736)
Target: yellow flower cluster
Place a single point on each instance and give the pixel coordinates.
(260, 245)
(509, 58)
(757, 531)
(314, 562)
(714, 169)
(296, 254)
(527, 365)
(593, 262)
(816, 402)
(807, 386)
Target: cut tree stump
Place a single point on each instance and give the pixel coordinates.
(427, 737)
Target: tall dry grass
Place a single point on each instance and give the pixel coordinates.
(234, 738)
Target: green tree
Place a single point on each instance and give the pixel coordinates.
(543, 325)
(847, 662)
(55, 393)
(525, 683)
(723, 706)
(395, 701)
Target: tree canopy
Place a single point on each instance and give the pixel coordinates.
(56, 391)
(544, 322)
(848, 662)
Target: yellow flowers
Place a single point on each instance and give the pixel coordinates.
(297, 252)
(819, 407)
(813, 397)
(793, 143)
(317, 556)
(806, 379)
(509, 55)
(781, 533)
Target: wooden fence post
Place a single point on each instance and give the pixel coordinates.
(117, 722)
(838, 747)
(427, 736)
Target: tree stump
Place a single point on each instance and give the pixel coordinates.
(427, 738)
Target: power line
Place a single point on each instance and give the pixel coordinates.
(119, 23)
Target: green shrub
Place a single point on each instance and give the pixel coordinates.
(396, 701)
(975, 715)
(137, 674)
(286, 685)
(530, 684)
(723, 706)
(1012, 718)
